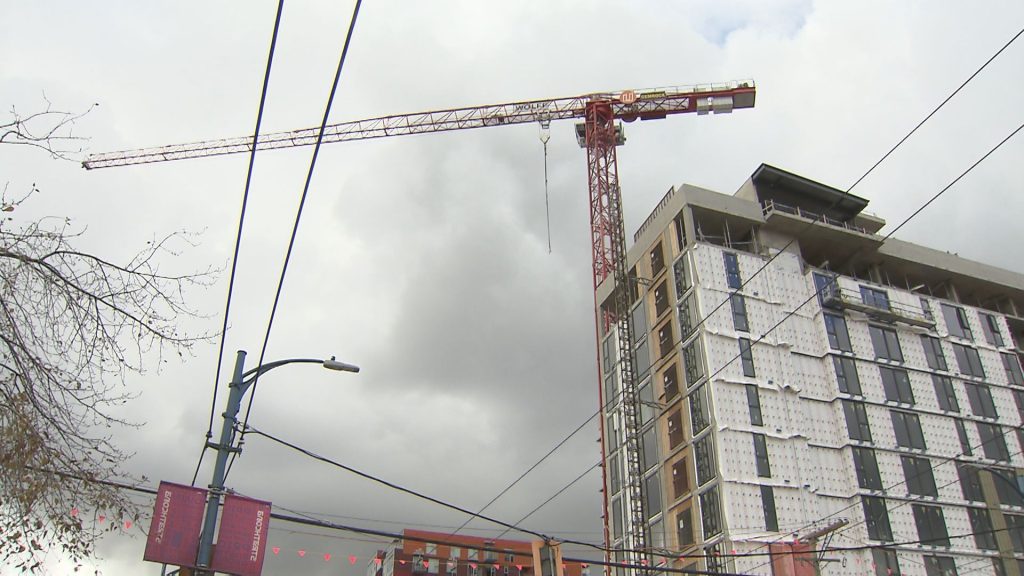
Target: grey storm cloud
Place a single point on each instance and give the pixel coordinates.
(424, 259)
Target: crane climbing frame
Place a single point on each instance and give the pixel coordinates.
(600, 135)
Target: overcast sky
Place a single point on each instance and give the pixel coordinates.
(424, 259)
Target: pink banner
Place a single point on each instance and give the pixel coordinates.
(242, 538)
(177, 521)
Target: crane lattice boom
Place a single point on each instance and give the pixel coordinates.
(600, 136)
(648, 104)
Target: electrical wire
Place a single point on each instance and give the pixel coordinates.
(388, 484)
(298, 213)
(553, 496)
(884, 239)
(799, 235)
(312, 521)
(238, 238)
(526, 473)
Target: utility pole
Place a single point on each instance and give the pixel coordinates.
(240, 383)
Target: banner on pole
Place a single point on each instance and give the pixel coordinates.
(242, 539)
(177, 521)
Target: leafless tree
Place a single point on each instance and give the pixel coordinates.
(72, 327)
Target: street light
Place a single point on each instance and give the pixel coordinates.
(240, 383)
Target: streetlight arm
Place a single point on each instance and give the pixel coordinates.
(263, 368)
(240, 382)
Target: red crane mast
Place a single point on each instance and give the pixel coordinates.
(600, 135)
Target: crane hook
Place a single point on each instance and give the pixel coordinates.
(545, 135)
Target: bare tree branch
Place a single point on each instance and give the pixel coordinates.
(73, 326)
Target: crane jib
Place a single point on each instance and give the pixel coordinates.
(627, 105)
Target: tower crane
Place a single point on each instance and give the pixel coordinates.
(600, 135)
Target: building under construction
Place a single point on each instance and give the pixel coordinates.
(858, 392)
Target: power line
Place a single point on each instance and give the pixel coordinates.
(800, 234)
(311, 521)
(886, 237)
(238, 238)
(298, 212)
(527, 472)
(553, 496)
(388, 484)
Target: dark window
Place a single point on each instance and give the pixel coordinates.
(613, 472)
(968, 361)
(693, 362)
(739, 312)
(990, 327)
(908, 430)
(682, 276)
(926, 308)
(638, 322)
(1018, 398)
(846, 375)
(652, 496)
(705, 460)
(711, 513)
(1005, 486)
(747, 357)
(867, 468)
(981, 527)
(613, 435)
(680, 227)
(931, 525)
(616, 518)
(609, 353)
(669, 380)
(886, 343)
(657, 260)
(661, 300)
(896, 383)
(993, 443)
(939, 566)
(675, 429)
(646, 405)
(680, 478)
(665, 340)
(684, 528)
(933, 352)
(699, 418)
(961, 432)
(874, 297)
(754, 405)
(876, 517)
(713, 559)
(956, 321)
(687, 317)
(732, 270)
(771, 519)
(1013, 372)
(945, 394)
(825, 287)
(857, 421)
(1015, 527)
(633, 284)
(885, 562)
(998, 567)
(642, 359)
(970, 483)
(764, 467)
(980, 398)
(918, 474)
(838, 335)
(650, 448)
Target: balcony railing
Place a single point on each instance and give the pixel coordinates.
(770, 206)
